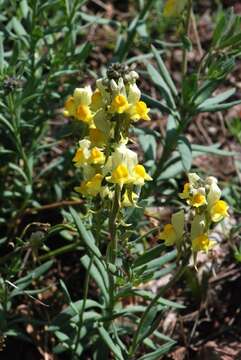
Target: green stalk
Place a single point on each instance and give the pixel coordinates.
(60, 251)
(186, 31)
(86, 289)
(112, 225)
(160, 293)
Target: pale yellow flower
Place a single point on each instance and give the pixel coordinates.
(186, 191)
(91, 187)
(119, 104)
(168, 234)
(69, 107)
(140, 175)
(198, 200)
(202, 243)
(219, 211)
(120, 175)
(96, 156)
(139, 111)
(84, 113)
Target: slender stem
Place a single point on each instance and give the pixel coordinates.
(85, 295)
(112, 225)
(186, 31)
(60, 251)
(160, 293)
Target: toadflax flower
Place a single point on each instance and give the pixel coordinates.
(103, 156)
(173, 233)
(202, 243)
(219, 211)
(78, 105)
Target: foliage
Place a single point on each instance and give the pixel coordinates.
(101, 227)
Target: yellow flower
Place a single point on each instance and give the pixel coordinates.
(174, 8)
(79, 158)
(119, 104)
(185, 192)
(168, 234)
(120, 175)
(219, 211)
(82, 154)
(140, 175)
(91, 187)
(69, 107)
(202, 243)
(78, 104)
(83, 113)
(96, 156)
(198, 200)
(139, 111)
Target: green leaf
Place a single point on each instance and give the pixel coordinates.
(162, 86)
(232, 41)
(218, 99)
(212, 149)
(147, 324)
(24, 8)
(18, 27)
(157, 262)
(34, 274)
(86, 235)
(164, 72)
(96, 275)
(6, 123)
(71, 311)
(156, 355)
(220, 27)
(1, 53)
(218, 107)
(149, 255)
(18, 170)
(185, 152)
(155, 104)
(172, 170)
(109, 342)
(205, 91)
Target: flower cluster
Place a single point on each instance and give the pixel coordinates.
(103, 156)
(203, 197)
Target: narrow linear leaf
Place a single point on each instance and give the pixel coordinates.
(96, 275)
(155, 355)
(164, 72)
(162, 86)
(109, 342)
(85, 234)
(219, 98)
(185, 151)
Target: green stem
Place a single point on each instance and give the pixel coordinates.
(112, 225)
(85, 295)
(63, 250)
(160, 293)
(186, 31)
